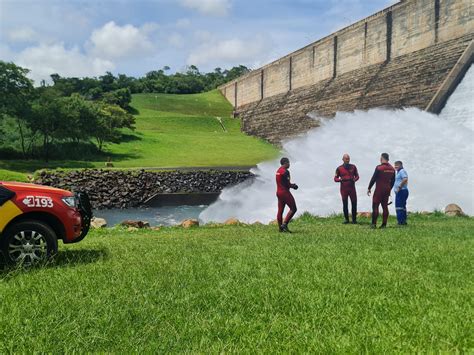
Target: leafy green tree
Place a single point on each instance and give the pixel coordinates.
(47, 117)
(16, 92)
(108, 82)
(16, 89)
(120, 97)
(78, 116)
(110, 119)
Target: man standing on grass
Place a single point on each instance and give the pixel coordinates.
(347, 175)
(384, 178)
(285, 198)
(401, 193)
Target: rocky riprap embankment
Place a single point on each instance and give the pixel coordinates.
(124, 189)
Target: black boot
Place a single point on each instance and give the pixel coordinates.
(284, 228)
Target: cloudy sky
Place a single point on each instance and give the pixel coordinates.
(89, 37)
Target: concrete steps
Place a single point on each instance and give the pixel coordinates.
(406, 81)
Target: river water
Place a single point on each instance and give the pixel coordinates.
(156, 216)
(437, 152)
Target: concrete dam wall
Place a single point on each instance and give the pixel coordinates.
(411, 54)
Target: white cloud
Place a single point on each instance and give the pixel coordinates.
(176, 40)
(22, 34)
(183, 23)
(203, 36)
(112, 41)
(209, 7)
(107, 46)
(44, 60)
(231, 51)
(6, 54)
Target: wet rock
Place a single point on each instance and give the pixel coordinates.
(135, 224)
(97, 223)
(453, 210)
(189, 223)
(125, 189)
(232, 222)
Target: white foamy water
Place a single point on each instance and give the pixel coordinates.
(460, 106)
(437, 152)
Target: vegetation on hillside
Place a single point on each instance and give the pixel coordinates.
(327, 288)
(74, 119)
(191, 81)
(38, 122)
(7, 175)
(170, 131)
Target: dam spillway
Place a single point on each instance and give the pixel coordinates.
(411, 54)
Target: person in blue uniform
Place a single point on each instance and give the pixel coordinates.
(401, 193)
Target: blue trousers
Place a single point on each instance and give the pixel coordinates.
(401, 206)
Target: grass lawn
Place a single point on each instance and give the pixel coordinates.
(326, 288)
(7, 175)
(175, 131)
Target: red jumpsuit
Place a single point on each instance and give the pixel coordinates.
(285, 198)
(347, 175)
(384, 178)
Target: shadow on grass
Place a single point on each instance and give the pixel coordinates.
(129, 138)
(133, 110)
(64, 258)
(29, 166)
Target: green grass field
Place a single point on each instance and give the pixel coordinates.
(326, 288)
(174, 131)
(7, 175)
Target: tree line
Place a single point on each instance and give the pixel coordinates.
(75, 116)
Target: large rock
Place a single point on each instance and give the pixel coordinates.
(188, 223)
(364, 214)
(232, 222)
(124, 189)
(135, 224)
(97, 223)
(453, 210)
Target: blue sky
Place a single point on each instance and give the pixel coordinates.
(87, 38)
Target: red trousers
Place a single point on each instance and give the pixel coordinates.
(285, 198)
(380, 197)
(346, 192)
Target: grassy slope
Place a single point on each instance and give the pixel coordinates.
(173, 131)
(326, 288)
(182, 130)
(7, 175)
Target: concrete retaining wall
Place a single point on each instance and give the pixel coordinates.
(400, 31)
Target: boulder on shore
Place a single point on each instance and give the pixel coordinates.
(232, 222)
(135, 224)
(453, 210)
(188, 223)
(97, 223)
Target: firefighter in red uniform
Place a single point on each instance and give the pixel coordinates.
(384, 178)
(347, 175)
(285, 198)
